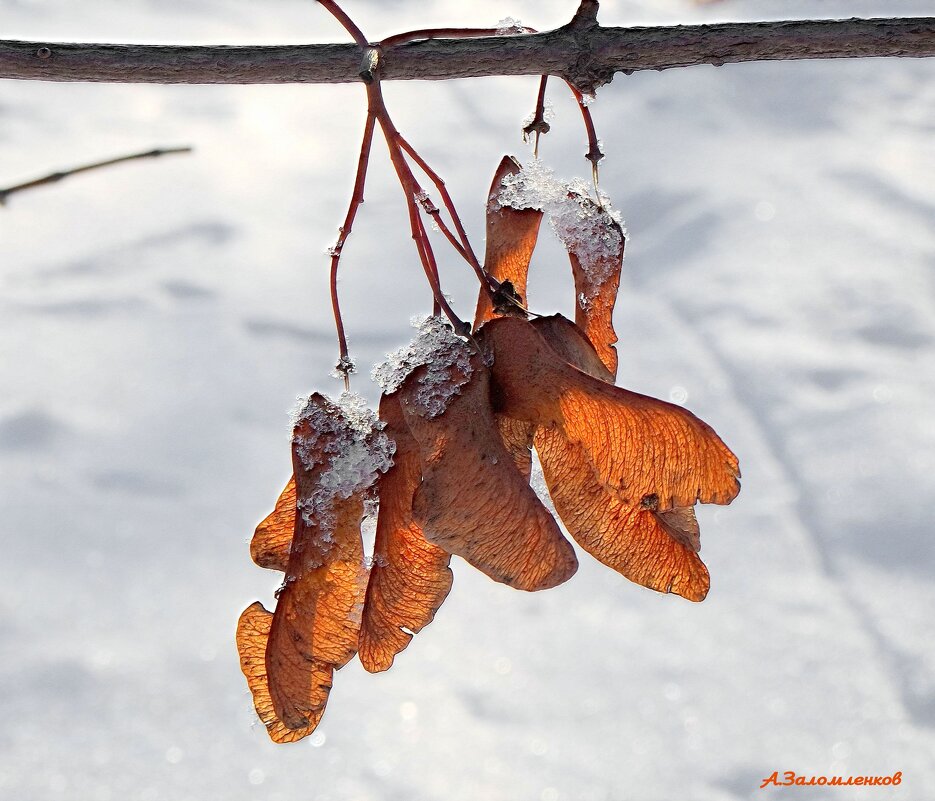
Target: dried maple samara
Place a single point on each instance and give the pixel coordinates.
(444, 468)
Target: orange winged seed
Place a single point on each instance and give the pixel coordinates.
(410, 577)
(516, 436)
(595, 243)
(564, 337)
(473, 501)
(252, 637)
(272, 539)
(511, 238)
(628, 538)
(641, 448)
(573, 345)
(682, 525)
(317, 619)
(655, 549)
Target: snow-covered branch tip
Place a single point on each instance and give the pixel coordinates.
(582, 52)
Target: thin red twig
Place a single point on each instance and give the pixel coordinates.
(414, 194)
(594, 154)
(427, 257)
(338, 13)
(411, 190)
(345, 365)
(538, 125)
(463, 244)
(377, 110)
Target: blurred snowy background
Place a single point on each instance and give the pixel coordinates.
(158, 319)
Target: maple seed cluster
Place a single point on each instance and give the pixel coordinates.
(449, 461)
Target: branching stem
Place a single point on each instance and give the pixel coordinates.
(462, 244)
(376, 111)
(412, 191)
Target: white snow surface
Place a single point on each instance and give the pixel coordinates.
(156, 317)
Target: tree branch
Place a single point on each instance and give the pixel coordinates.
(581, 52)
(55, 177)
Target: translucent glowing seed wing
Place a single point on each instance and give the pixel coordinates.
(252, 637)
(410, 577)
(272, 539)
(511, 239)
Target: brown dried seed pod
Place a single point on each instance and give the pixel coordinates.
(473, 501)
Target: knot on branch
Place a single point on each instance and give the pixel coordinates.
(370, 64)
(586, 16)
(585, 72)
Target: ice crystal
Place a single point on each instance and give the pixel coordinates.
(348, 438)
(509, 27)
(548, 114)
(587, 228)
(446, 357)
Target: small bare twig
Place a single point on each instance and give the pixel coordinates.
(55, 177)
(346, 22)
(412, 191)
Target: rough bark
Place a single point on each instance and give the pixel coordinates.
(582, 52)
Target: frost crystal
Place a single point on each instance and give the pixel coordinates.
(582, 225)
(509, 27)
(343, 368)
(446, 356)
(350, 439)
(548, 114)
(533, 187)
(587, 98)
(588, 231)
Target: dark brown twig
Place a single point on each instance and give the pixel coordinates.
(55, 177)
(588, 56)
